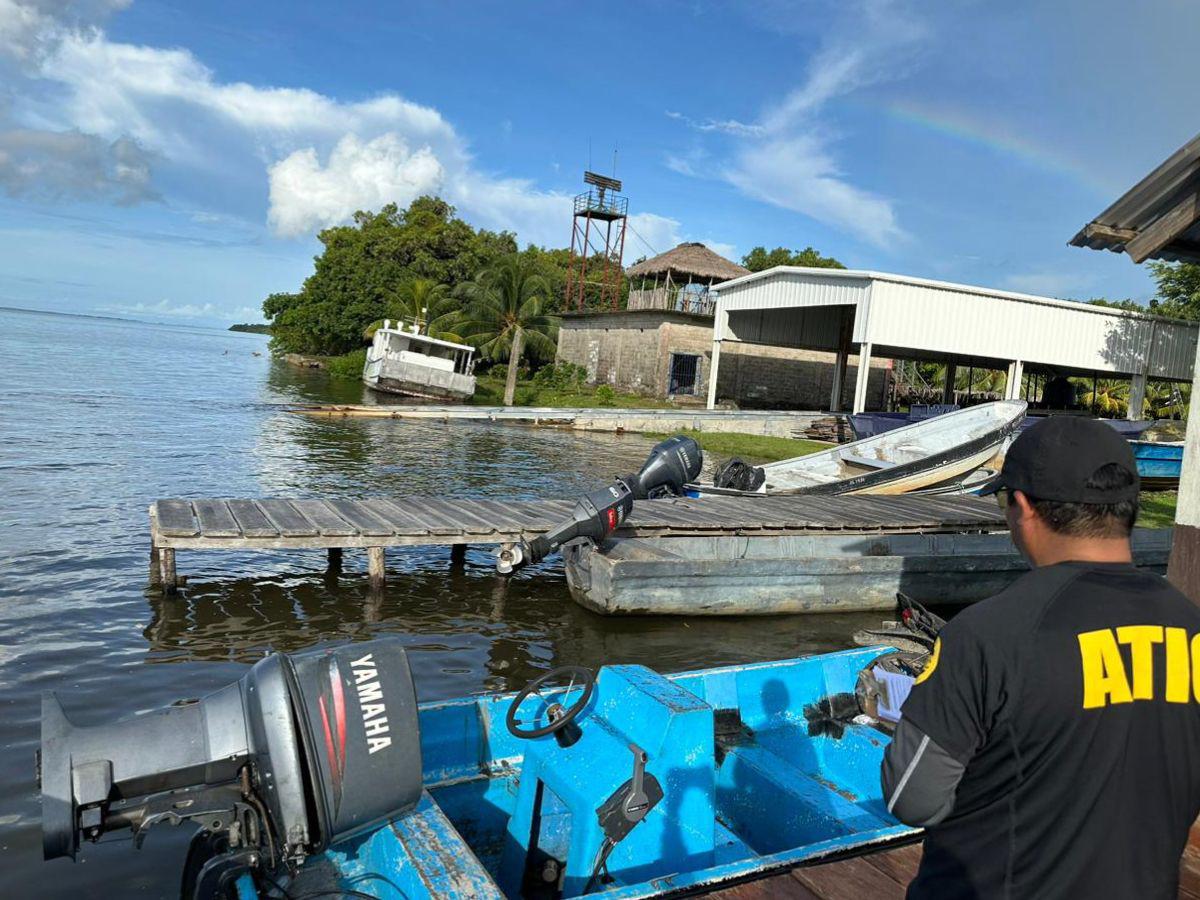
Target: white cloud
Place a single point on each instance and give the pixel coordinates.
(30, 28)
(72, 165)
(729, 251)
(653, 234)
(166, 308)
(306, 196)
(799, 174)
(786, 158)
(322, 158)
(319, 158)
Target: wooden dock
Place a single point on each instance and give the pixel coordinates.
(885, 875)
(375, 524)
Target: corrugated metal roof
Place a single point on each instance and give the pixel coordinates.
(917, 318)
(1158, 218)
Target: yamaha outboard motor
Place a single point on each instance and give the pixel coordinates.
(304, 751)
(671, 464)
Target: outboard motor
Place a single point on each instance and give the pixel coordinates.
(672, 463)
(304, 751)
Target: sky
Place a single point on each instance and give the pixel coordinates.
(173, 161)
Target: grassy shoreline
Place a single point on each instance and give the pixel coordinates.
(753, 448)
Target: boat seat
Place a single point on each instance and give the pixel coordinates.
(423, 854)
(866, 462)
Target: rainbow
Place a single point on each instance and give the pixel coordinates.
(995, 137)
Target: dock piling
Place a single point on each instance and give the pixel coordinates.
(170, 581)
(458, 555)
(155, 568)
(375, 566)
(334, 566)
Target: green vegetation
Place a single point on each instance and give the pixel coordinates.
(1178, 290)
(505, 316)
(348, 365)
(425, 303)
(251, 328)
(362, 267)
(761, 258)
(559, 385)
(753, 448)
(1157, 509)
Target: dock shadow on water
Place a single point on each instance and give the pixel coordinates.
(151, 412)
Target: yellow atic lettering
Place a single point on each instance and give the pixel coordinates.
(1104, 679)
(1178, 666)
(1196, 668)
(1141, 640)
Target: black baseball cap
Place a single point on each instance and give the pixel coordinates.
(1055, 458)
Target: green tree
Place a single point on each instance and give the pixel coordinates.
(426, 304)
(760, 258)
(505, 315)
(1178, 290)
(362, 265)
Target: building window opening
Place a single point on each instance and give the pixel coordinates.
(685, 369)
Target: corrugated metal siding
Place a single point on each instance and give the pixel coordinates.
(788, 290)
(964, 322)
(816, 329)
(943, 321)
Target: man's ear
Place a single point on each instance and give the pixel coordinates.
(1023, 506)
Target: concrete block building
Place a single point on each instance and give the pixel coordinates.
(662, 344)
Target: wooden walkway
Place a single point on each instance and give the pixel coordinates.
(334, 525)
(885, 875)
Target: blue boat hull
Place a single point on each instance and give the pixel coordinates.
(1159, 464)
(746, 789)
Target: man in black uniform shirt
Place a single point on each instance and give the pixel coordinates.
(1051, 747)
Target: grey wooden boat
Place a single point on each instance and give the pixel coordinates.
(742, 576)
(936, 451)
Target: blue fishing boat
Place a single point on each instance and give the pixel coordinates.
(1159, 464)
(320, 774)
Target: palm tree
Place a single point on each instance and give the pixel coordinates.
(504, 315)
(426, 304)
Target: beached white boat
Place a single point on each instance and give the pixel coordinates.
(401, 361)
(937, 451)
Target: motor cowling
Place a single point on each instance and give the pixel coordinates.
(304, 751)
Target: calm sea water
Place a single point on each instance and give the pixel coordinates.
(98, 418)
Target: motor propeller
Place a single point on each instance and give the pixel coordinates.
(672, 463)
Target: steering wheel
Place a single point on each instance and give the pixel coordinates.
(558, 716)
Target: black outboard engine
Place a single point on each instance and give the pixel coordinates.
(304, 751)
(671, 464)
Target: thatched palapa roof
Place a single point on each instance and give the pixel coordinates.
(688, 259)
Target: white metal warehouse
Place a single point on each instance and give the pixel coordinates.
(898, 317)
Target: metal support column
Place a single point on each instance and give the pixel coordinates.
(1137, 396)
(1012, 382)
(864, 377)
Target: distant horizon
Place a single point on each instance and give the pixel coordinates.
(83, 315)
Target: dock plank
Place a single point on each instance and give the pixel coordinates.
(401, 520)
(252, 520)
(329, 523)
(849, 879)
(425, 510)
(900, 864)
(784, 886)
(216, 519)
(288, 520)
(358, 515)
(175, 518)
